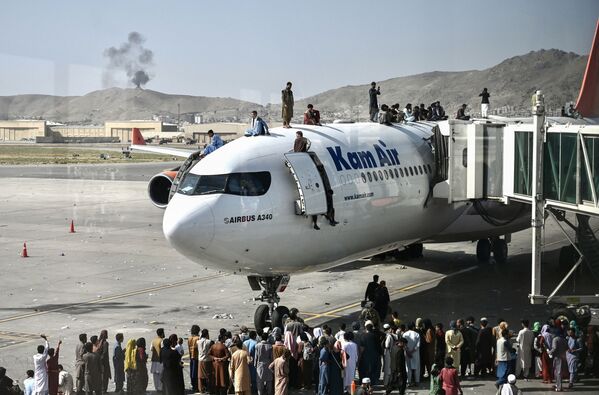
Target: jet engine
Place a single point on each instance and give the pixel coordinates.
(159, 188)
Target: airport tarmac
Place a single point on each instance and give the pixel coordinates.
(117, 272)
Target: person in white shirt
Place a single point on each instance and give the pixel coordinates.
(179, 346)
(29, 383)
(525, 340)
(40, 369)
(413, 355)
(341, 332)
(65, 381)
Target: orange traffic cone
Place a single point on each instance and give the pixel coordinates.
(24, 252)
(72, 227)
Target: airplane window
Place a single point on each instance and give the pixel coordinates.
(386, 174)
(401, 172)
(363, 177)
(375, 176)
(391, 173)
(248, 184)
(424, 168)
(211, 184)
(342, 179)
(430, 170)
(243, 184)
(188, 184)
(411, 171)
(381, 175)
(420, 168)
(369, 177)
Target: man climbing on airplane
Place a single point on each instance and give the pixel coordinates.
(257, 126)
(301, 144)
(215, 143)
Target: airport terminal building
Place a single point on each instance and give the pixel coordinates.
(42, 131)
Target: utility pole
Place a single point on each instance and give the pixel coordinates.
(538, 200)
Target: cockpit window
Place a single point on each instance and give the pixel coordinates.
(242, 184)
(248, 184)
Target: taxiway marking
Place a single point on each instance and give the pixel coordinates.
(113, 297)
(332, 313)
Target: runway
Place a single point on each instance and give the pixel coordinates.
(117, 272)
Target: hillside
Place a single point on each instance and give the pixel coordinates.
(120, 104)
(511, 84)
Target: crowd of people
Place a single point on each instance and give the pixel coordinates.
(384, 114)
(434, 112)
(377, 349)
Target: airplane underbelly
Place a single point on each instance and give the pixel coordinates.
(472, 226)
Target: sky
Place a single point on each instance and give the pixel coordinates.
(249, 49)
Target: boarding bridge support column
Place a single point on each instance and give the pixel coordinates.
(538, 201)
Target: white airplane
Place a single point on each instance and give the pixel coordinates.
(247, 207)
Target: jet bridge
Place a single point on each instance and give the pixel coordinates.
(551, 164)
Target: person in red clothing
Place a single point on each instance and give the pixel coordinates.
(311, 116)
(449, 378)
(52, 365)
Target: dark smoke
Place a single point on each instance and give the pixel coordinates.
(132, 58)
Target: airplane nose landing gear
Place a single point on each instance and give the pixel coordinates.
(271, 313)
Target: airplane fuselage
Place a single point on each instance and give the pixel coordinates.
(380, 177)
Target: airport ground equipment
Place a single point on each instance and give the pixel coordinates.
(552, 164)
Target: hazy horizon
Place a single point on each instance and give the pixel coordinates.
(205, 49)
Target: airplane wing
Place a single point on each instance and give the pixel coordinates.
(139, 144)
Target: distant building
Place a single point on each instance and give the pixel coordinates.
(24, 130)
(112, 131)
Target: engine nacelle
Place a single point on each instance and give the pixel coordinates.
(159, 188)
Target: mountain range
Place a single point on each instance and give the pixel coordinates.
(511, 84)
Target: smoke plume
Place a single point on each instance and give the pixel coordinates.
(132, 58)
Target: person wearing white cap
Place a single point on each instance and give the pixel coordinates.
(370, 360)
(509, 388)
(365, 388)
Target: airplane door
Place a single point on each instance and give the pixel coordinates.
(311, 188)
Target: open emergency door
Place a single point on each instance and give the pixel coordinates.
(311, 188)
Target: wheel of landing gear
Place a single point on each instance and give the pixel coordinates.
(562, 313)
(261, 317)
(483, 250)
(416, 250)
(277, 316)
(500, 251)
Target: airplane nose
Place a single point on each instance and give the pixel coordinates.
(188, 224)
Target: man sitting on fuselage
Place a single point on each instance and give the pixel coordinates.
(257, 126)
(215, 143)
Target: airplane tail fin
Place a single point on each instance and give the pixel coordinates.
(137, 138)
(588, 98)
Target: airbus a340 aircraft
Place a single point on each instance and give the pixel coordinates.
(248, 206)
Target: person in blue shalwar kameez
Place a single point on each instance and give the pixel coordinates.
(572, 355)
(257, 126)
(215, 143)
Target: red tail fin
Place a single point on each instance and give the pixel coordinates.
(588, 99)
(137, 138)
